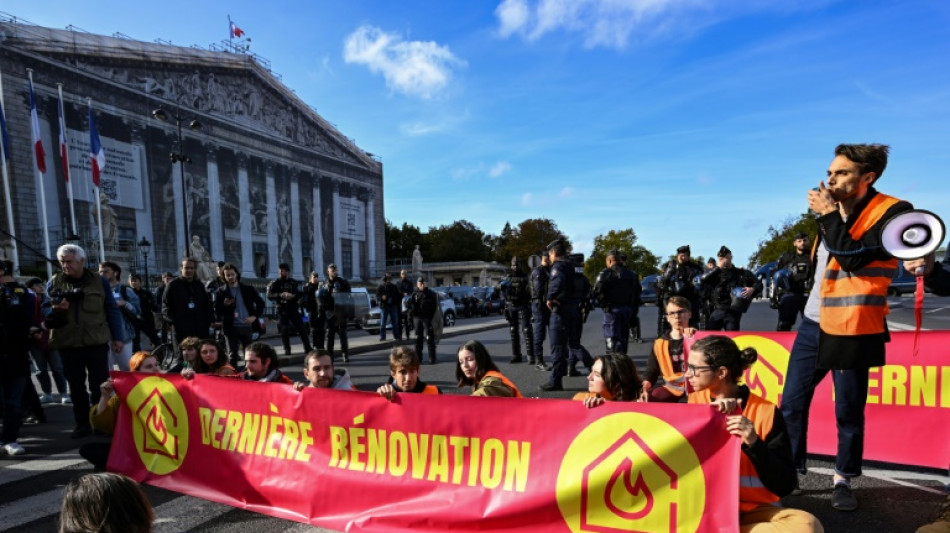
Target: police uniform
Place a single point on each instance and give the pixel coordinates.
(518, 312)
(335, 318)
(540, 314)
(423, 306)
(616, 292)
(565, 322)
(312, 302)
(727, 310)
(17, 318)
(677, 279)
(288, 311)
(792, 281)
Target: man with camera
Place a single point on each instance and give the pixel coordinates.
(82, 316)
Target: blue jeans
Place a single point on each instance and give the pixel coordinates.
(48, 361)
(617, 327)
(851, 394)
(390, 312)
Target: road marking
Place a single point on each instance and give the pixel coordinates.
(892, 477)
(25, 510)
(28, 469)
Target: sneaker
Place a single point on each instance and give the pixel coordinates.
(12, 448)
(46, 399)
(66, 400)
(842, 499)
(941, 524)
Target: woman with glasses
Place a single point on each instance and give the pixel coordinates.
(668, 359)
(613, 377)
(766, 469)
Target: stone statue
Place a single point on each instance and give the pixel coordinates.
(109, 228)
(204, 267)
(417, 261)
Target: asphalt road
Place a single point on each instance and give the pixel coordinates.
(892, 499)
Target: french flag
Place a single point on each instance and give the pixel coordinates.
(63, 152)
(235, 31)
(97, 156)
(37, 141)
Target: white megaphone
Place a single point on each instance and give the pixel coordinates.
(913, 234)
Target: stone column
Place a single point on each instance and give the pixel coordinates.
(244, 201)
(317, 215)
(337, 241)
(214, 204)
(183, 247)
(273, 246)
(296, 245)
(371, 232)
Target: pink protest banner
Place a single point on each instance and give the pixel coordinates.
(908, 396)
(352, 460)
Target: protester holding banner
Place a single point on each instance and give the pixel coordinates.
(844, 327)
(404, 366)
(766, 470)
(260, 364)
(189, 353)
(613, 377)
(475, 368)
(667, 359)
(105, 502)
(212, 359)
(320, 373)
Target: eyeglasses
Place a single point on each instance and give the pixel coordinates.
(674, 314)
(693, 369)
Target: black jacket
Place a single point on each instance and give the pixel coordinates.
(225, 313)
(188, 307)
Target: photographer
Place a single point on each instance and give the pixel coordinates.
(82, 316)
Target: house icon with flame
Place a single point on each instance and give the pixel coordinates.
(159, 426)
(765, 378)
(629, 488)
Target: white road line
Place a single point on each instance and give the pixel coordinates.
(24, 510)
(895, 476)
(28, 469)
(185, 513)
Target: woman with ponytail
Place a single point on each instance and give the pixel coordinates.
(766, 469)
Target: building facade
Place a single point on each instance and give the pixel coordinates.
(268, 180)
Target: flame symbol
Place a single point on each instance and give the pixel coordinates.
(635, 491)
(156, 425)
(755, 383)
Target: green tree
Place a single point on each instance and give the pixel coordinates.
(401, 241)
(782, 238)
(639, 259)
(497, 244)
(530, 238)
(459, 241)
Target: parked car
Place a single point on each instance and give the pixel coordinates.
(648, 286)
(489, 301)
(374, 317)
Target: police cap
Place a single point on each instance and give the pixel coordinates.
(683, 249)
(723, 252)
(801, 235)
(421, 280)
(614, 253)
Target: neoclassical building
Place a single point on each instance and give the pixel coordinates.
(268, 179)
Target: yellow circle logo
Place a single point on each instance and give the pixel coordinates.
(631, 472)
(766, 377)
(159, 424)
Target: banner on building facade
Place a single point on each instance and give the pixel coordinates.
(121, 179)
(351, 219)
(352, 460)
(908, 396)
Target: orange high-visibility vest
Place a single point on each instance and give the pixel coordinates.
(752, 493)
(430, 389)
(855, 303)
(506, 381)
(675, 381)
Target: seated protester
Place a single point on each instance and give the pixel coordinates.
(212, 359)
(261, 364)
(189, 353)
(105, 502)
(319, 371)
(667, 359)
(612, 378)
(766, 469)
(404, 375)
(104, 414)
(475, 368)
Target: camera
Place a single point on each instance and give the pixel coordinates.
(57, 295)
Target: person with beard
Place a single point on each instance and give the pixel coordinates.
(238, 307)
(186, 305)
(261, 364)
(730, 290)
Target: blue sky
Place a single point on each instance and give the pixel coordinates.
(691, 121)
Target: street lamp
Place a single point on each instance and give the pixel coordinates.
(181, 158)
(145, 247)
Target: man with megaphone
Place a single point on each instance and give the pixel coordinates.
(844, 328)
(936, 275)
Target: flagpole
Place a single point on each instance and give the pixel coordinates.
(42, 186)
(63, 154)
(102, 245)
(6, 191)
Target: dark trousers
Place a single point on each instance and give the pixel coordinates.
(48, 361)
(564, 337)
(288, 320)
(148, 328)
(851, 393)
(333, 330)
(724, 319)
(424, 330)
(519, 324)
(78, 364)
(318, 330)
(617, 327)
(789, 307)
(389, 313)
(11, 389)
(237, 337)
(540, 320)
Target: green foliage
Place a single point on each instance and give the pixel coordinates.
(639, 259)
(782, 238)
(401, 241)
(529, 239)
(459, 241)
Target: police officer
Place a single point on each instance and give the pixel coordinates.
(285, 293)
(540, 314)
(616, 290)
(563, 301)
(18, 322)
(422, 307)
(792, 282)
(635, 330)
(314, 296)
(390, 302)
(677, 280)
(731, 290)
(518, 311)
(336, 315)
(405, 289)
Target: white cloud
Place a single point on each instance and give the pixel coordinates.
(566, 192)
(512, 16)
(526, 199)
(501, 167)
(418, 129)
(416, 68)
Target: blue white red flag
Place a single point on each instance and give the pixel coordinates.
(37, 140)
(235, 31)
(97, 156)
